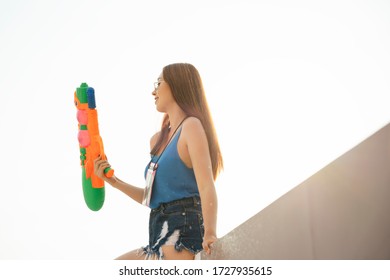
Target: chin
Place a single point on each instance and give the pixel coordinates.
(159, 109)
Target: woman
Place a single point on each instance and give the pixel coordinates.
(185, 161)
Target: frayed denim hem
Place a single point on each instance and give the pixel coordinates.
(157, 254)
(177, 223)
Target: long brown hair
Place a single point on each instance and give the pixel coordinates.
(187, 90)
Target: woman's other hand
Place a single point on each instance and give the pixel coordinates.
(208, 241)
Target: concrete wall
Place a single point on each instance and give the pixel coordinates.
(341, 212)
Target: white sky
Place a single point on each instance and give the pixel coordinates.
(292, 85)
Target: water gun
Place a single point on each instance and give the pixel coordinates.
(91, 146)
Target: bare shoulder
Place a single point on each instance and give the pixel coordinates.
(193, 146)
(192, 124)
(193, 129)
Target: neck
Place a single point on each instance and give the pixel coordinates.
(176, 117)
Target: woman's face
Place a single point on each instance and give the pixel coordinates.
(162, 95)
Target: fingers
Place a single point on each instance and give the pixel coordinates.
(99, 166)
(208, 245)
(207, 249)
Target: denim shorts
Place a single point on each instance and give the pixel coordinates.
(178, 223)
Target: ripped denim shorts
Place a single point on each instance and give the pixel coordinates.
(178, 223)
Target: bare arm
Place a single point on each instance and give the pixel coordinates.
(133, 192)
(198, 149)
(130, 190)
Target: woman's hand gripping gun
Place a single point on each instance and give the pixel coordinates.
(91, 147)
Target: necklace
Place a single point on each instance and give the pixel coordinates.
(170, 138)
(152, 172)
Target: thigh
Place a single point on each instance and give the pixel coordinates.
(170, 253)
(137, 254)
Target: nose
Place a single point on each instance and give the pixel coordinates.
(154, 92)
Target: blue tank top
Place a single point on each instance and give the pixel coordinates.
(173, 179)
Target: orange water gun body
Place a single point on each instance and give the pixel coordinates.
(91, 147)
